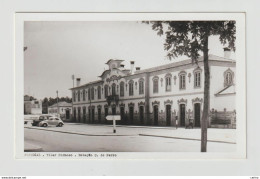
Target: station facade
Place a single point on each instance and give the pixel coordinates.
(156, 96)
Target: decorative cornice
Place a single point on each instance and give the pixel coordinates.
(197, 100)
(141, 103)
(155, 103)
(168, 102)
(113, 78)
(155, 78)
(131, 104)
(122, 105)
(182, 73)
(181, 101)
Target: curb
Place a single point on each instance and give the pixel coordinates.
(218, 141)
(76, 133)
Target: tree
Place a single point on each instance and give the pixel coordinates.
(191, 38)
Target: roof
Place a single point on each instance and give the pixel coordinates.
(114, 60)
(61, 104)
(90, 83)
(227, 90)
(183, 62)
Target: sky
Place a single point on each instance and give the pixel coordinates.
(58, 50)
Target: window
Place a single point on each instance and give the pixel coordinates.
(84, 95)
(99, 92)
(92, 93)
(106, 91)
(89, 94)
(197, 79)
(168, 83)
(78, 95)
(182, 81)
(228, 77)
(122, 89)
(141, 86)
(155, 85)
(74, 96)
(131, 88)
(113, 89)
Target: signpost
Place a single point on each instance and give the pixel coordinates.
(114, 118)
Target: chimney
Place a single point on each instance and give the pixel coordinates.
(138, 68)
(78, 82)
(132, 66)
(227, 52)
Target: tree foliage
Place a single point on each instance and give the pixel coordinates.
(188, 37)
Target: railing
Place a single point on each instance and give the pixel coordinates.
(112, 98)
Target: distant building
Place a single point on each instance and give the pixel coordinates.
(63, 109)
(159, 95)
(32, 106)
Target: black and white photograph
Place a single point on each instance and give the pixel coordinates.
(107, 88)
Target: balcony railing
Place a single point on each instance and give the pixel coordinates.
(112, 99)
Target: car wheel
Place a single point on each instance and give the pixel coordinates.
(60, 125)
(44, 125)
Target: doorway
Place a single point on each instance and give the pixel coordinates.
(141, 113)
(168, 115)
(182, 115)
(79, 114)
(67, 114)
(84, 115)
(131, 114)
(99, 115)
(155, 113)
(113, 110)
(197, 114)
(93, 115)
(122, 114)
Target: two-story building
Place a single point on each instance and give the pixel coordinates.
(159, 95)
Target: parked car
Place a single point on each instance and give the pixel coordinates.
(40, 118)
(52, 121)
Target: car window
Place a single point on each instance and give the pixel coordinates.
(56, 118)
(50, 118)
(41, 117)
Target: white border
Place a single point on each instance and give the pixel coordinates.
(240, 72)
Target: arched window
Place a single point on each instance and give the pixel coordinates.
(89, 94)
(84, 95)
(113, 89)
(92, 93)
(197, 77)
(155, 84)
(122, 88)
(131, 88)
(99, 92)
(106, 91)
(78, 95)
(74, 96)
(168, 82)
(182, 77)
(228, 77)
(141, 86)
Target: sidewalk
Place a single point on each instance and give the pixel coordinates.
(214, 135)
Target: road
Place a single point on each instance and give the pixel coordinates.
(59, 140)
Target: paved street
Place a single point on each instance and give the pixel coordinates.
(74, 137)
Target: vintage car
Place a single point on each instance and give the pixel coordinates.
(52, 121)
(41, 118)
